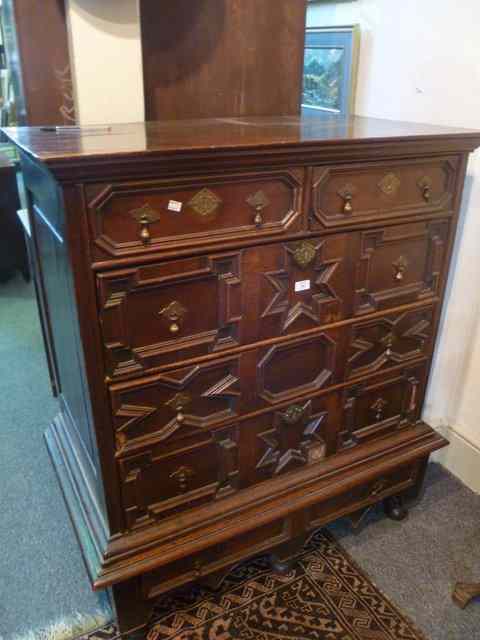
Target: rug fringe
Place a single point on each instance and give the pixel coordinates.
(67, 628)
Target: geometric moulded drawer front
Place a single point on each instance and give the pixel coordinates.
(381, 405)
(175, 405)
(158, 482)
(348, 194)
(302, 365)
(165, 312)
(164, 215)
(301, 284)
(400, 265)
(382, 343)
(288, 440)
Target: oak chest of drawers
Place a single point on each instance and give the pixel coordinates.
(241, 320)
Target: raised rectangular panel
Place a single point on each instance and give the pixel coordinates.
(343, 195)
(134, 218)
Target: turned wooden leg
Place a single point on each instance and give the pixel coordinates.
(394, 508)
(283, 558)
(133, 611)
(465, 592)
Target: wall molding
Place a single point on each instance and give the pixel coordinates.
(461, 458)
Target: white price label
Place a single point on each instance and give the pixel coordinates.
(302, 285)
(174, 205)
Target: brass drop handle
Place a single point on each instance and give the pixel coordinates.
(378, 487)
(346, 193)
(400, 267)
(348, 206)
(425, 184)
(258, 201)
(174, 312)
(182, 476)
(178, 403)
(258, 220)
(145, 229)
(180, 417)
(145, 216)
(197, 567)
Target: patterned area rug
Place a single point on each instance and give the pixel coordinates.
(325, 597)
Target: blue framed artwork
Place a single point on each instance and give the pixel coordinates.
(330, 67)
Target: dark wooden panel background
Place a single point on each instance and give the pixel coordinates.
(38, 56)
(210, 58)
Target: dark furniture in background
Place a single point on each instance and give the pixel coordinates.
(243, 315)
(210, 58)
(13, 252)
(36, 45)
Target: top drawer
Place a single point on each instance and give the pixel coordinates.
(160, 216)
(350, 194)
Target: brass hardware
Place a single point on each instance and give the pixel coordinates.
(389, 184)
(182, 476)
(425, 184)
(346, 193)
(293, 414)
(399, 268)
(304, 253)
(174, 312)
(388, 341)
(197, 567)
(178, 403)
(258, 201)
(258, 220)
(379, 407)
(145, 216)
(205, 202)
(379, 486)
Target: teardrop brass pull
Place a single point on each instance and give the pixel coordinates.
(258, 201)
(346, 193)
(348, 207)
(145, 216)
(425, 184)
(178, 403)
(399, 268)
(145, 230)
(175, 313)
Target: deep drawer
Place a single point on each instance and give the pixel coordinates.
(364, 495)
(348, 194)
(216, 558)
(135, 218)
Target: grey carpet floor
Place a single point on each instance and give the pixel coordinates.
(42, 577)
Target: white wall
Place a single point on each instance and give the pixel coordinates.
(107, 60)
(420, 61)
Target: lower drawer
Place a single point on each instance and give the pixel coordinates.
(216, 558)
(364, 495)
(381, 405)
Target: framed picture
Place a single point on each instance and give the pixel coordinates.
(330, 69)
